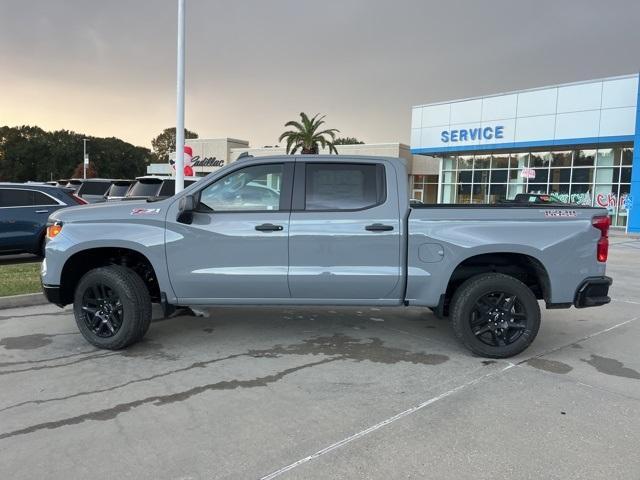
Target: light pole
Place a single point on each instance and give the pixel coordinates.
(180, 101)
(85, 157)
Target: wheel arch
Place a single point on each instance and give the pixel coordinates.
(88, 259)
(525, 267)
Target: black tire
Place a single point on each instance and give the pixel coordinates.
(112, 307)
(499, 330)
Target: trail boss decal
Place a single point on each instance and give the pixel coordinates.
(559, 213)
(145, 211)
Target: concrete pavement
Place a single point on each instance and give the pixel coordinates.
(306, 393)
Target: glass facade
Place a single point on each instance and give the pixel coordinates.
(424, 188)
(589, 176)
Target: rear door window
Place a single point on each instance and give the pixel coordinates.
(344, 186)
(41, 199)
(15, 197)
(11, 197)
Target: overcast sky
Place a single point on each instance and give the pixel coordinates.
(107, 68)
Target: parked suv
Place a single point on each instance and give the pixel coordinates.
(24, 209)
(155, 187)
(93, 190)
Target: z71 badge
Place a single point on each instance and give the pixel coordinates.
(559, 213)
(145, 211)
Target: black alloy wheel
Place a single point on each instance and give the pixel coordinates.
(495, 315)
(112, 307)
(103, 310)
(498, 319)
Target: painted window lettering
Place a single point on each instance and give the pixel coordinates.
(471, 134)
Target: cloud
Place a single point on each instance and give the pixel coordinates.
(108, 68)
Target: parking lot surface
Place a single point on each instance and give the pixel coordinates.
(306, 393)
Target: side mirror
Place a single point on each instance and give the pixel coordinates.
(185, 209)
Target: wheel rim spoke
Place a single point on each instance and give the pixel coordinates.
(481, 331)
(517, 326)
(498, 318)
(102, 310)
(508, 305)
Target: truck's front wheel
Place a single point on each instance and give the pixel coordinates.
(112, 307)
(495, 315)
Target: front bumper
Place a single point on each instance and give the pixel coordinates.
(593, 292)
(53, 294)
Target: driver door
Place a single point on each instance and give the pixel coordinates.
(236, 248)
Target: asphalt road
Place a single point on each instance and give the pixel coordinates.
(325, 393)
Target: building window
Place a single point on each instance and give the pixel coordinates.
(425, 187)
(596, 177)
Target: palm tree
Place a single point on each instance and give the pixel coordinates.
(307, 137)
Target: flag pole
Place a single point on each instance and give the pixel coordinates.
(180, 101)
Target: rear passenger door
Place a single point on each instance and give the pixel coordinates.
(344, 233)
(23, 217)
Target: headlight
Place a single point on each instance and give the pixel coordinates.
(54, 230)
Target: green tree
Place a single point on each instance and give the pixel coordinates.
(30, 153)
(307, 136)
(165, 143)
(347, 141)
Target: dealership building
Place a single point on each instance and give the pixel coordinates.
(579, 142)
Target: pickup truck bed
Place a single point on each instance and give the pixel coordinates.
(325, 230)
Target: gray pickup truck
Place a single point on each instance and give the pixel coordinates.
(324, 230)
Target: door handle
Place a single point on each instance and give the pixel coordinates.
(378, 227)
(269, 227)
(42, 211)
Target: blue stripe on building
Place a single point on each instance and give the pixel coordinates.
(541, 143)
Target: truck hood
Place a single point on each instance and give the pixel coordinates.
(110, 211)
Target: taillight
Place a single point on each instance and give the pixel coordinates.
(602, 223)
(79, 200)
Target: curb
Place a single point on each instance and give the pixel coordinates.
(26, 300)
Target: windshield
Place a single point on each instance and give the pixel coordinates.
(93, 188)
(145, 188)
(118, 189)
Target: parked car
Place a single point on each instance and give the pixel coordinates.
(155, 187)
(63, 182)
(118, 189)
(341, 233)
(24, 209)
(93, 190)
(535, 198)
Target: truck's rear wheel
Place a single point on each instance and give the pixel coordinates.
(112, 307)
(495, 315)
